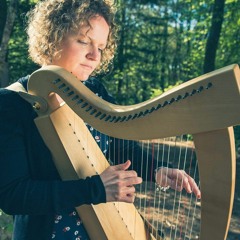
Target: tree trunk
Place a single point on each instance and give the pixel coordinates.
(164, 51)
(121, 47)
(3, 16)
(11, 14)
(214, 35)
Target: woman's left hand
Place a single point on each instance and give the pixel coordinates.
(176, 179)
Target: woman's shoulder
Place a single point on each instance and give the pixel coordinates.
(12, 104)
(10, 98)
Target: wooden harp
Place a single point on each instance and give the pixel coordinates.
(206, 107)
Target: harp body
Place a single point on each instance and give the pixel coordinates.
(206, 107)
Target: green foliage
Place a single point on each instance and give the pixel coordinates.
(228, 51)
(157, 92)
(6, 226)
(19, 63)
(162, 44)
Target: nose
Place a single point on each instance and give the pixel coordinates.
(94, 54)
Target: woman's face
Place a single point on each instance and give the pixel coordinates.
(81, 53)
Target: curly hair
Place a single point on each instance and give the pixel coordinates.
(51, 20)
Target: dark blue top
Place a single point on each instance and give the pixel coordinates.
(30, 187)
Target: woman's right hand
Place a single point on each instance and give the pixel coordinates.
(119, 183)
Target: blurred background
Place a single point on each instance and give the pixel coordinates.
(162, 43)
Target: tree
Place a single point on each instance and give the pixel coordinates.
(11, 9)
(3, 16)
(161, 43)
(214, 36)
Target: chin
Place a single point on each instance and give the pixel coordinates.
(83, 78)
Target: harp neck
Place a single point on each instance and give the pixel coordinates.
(203, 104)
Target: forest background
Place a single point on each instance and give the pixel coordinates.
(162, 43)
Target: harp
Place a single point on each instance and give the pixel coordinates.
(206, 107)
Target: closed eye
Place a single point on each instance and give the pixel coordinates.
(100, 50)
(82, 42)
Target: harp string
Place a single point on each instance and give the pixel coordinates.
(146, 173)
(192, 201)
(178, 210)
(184, 205)
(164, 192)
(199, 128)
(159, 151)
(159, 201)
(178, 196)
(185, 201)
(155, 203)
(191, 222)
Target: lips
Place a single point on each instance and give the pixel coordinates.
(87, 67)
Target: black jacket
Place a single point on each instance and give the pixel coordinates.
(30, 187)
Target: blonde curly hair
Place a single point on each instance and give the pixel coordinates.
(51, 20)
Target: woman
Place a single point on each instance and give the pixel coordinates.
(80, 36)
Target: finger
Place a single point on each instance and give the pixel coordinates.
(194, 187)
(127, 194)
(176, 178)
(133, 181)
(123, 166)
(179, 180)
(188, 182)
(126, 174)
(185, 178)
(128, 198)
(190, 185)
